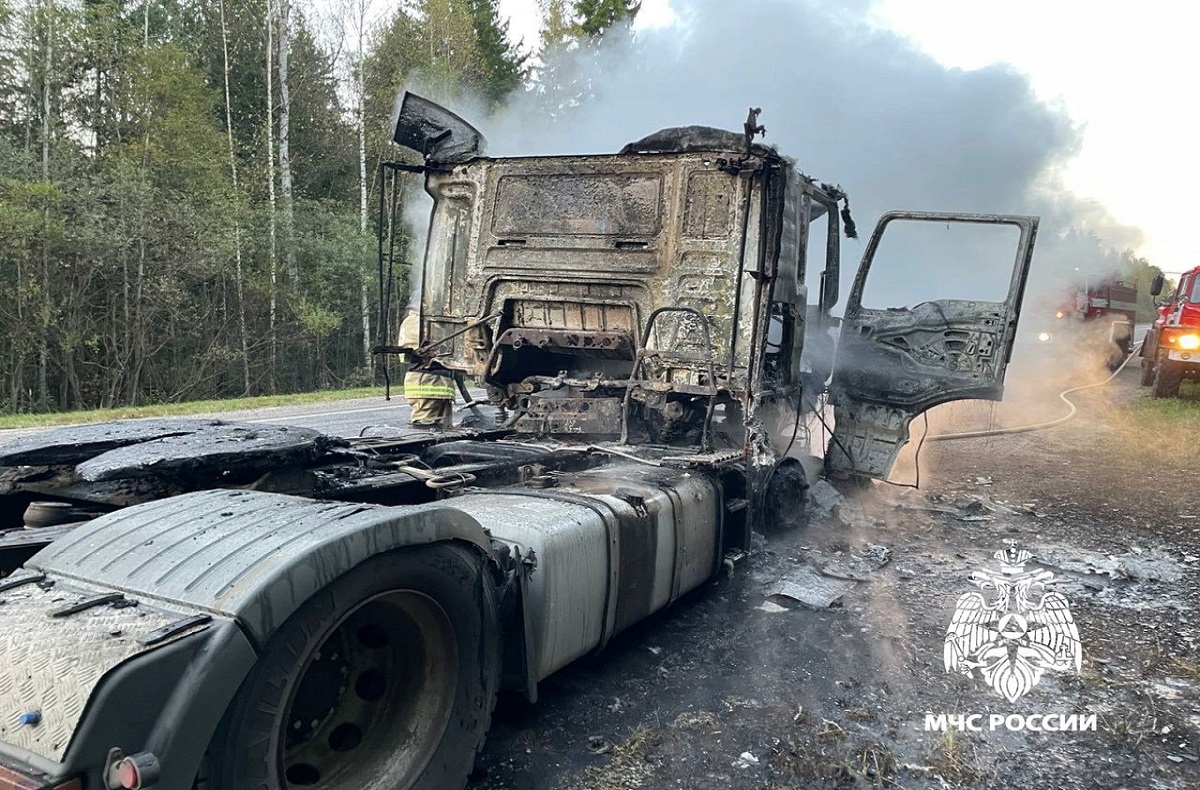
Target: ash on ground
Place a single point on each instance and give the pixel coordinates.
(815, 664)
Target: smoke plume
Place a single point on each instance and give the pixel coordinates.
(853, 104)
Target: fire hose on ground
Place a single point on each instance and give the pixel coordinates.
(1072, 410)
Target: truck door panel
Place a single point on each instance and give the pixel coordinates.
(894, 363)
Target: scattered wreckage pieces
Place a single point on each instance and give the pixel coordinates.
(962, 507)
(856, 566)
(160, 447)
(808, 587)
(822, 583)
(11, 477)
(823, 498)
(1151, 566)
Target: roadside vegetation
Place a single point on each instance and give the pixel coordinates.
(9, 421)
(188, 187)
(1185, 407)
(1177, 418)
(1142, 426)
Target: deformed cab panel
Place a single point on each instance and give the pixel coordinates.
(655, 295)
(895, 363)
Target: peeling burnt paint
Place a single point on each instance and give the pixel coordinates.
(547, 278)
(657, 278)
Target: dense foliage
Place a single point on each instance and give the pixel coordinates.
(186, 209)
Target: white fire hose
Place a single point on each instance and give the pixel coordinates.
(945, 437)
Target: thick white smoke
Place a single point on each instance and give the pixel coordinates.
(853, 104)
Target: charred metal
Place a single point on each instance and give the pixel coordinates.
(641, 321)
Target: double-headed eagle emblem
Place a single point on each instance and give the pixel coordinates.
(1009, 635)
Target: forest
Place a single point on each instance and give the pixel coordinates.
(188, 187)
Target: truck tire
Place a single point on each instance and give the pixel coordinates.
(1167, 377)
(1147, 372)
(385, 680)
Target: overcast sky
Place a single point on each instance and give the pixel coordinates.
(1123, 71)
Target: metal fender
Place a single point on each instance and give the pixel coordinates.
(247, 555)
(233, 564)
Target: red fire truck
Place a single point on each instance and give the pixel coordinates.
(1099, 312)
(1171, 351)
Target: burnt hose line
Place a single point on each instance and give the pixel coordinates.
(1072, 411)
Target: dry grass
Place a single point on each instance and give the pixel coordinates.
(953, 758)
(627, 768)
(830, 730)
(875, 762)
(1124, 728)
(697, 721)
(1183, 668)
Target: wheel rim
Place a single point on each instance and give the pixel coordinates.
(373, 701)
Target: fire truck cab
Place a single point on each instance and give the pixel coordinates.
(1171, 351)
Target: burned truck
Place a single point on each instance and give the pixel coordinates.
(234, 605)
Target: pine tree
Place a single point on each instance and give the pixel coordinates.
(503, 67)
(597, 17)
(571, 36)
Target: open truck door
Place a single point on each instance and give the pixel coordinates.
(893, 363)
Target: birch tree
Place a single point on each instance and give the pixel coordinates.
(145, 147)
(239, 278)
(284, 16)
(44, 27)
(272, 254)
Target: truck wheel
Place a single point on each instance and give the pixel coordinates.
(385, 680)
(1147, 372)
(1167, 378)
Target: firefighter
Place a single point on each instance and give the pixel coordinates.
(428, 387)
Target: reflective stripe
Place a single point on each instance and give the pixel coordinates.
(420, 384)
(441, 393)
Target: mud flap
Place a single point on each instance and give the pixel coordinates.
(894, 363)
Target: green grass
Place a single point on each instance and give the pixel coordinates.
(1178, 413)
(1147, 422)
(179, 409)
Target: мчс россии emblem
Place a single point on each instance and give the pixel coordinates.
(1012, 631)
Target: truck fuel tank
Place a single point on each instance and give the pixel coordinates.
(603, 549)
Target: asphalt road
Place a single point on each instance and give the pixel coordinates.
(337, 418)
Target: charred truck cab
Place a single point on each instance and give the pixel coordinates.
(261, 606)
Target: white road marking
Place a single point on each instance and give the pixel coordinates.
(293, 417)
